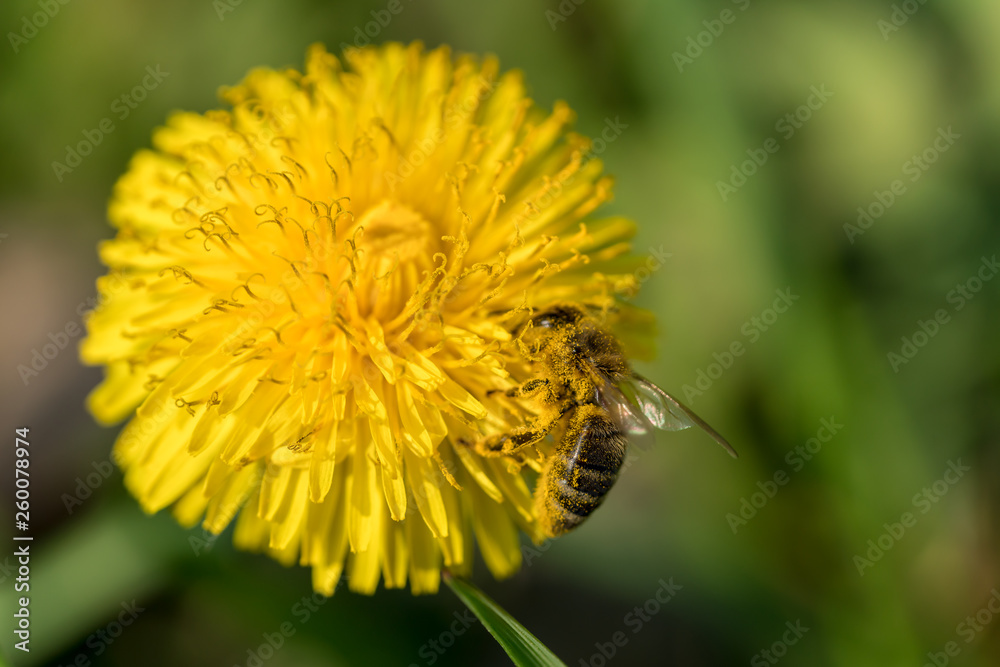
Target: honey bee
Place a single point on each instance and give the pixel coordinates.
(583, 375)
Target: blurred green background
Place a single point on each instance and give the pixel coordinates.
(703, 88)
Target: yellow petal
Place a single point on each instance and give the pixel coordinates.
(426, 483)
(288, 520)
(275, 489)
(322, 462)
(124, 388)
(366, 498)
(395, 492)
(455, 394)
(252, 533)
(496, 535)
(415, 432)
(396, 561)
(190, 507)
(365, 566)
(235, 487)
(474, 465)
(425, 559)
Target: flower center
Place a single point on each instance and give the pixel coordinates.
(395, 247)
(393, 234)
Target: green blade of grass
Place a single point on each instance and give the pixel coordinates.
(521, 646)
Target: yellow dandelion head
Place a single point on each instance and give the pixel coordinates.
(311, 296)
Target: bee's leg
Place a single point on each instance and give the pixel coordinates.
(505, 444)
(529, 388)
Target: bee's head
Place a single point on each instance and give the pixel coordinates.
(558, 316)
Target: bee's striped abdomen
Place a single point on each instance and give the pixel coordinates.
(581, 470)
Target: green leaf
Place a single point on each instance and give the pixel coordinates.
(521, 646)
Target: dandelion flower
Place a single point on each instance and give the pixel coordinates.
(311, 294)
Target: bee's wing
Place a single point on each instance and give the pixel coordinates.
(665, 412)
(626, 416)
